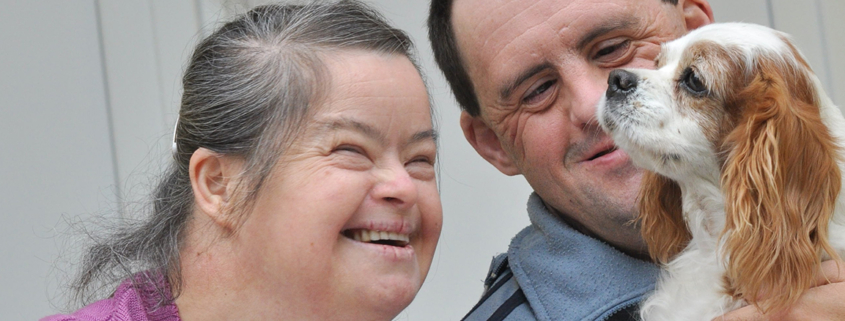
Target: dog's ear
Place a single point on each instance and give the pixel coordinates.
(661, 217)
(780, 180)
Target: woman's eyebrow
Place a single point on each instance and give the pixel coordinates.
(430, 134)
(370, 131)
(353, 125)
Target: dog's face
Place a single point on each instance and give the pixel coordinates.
(674, 120)
(735, 109)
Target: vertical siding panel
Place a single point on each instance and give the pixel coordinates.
(176, 29)
(831, 12)
(134, 91)
(800, 19)
(56, 160)
(213, 13)
(752, 11)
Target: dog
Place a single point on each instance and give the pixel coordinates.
(741, 199)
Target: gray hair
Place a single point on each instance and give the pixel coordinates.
(247, 92)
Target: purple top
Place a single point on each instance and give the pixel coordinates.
(129, 303)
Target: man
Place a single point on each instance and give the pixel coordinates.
(528, 75)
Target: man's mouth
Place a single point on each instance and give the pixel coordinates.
(603, 152)
(378, 237)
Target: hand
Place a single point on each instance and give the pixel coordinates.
(824, 301)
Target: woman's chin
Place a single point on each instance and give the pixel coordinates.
(391, 296)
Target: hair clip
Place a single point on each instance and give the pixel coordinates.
(174, 149)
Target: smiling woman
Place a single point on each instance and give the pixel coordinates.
(363, 165)
(303, 184)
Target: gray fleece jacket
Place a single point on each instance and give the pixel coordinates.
(552, 272)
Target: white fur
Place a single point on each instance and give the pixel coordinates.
(691, 285)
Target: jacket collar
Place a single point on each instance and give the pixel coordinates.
(566, 275)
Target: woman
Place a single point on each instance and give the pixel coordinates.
(303, 183)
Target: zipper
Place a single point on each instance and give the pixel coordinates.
(618, 309)
(495, 272)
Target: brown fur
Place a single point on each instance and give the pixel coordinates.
(663, 227)
(780, 180)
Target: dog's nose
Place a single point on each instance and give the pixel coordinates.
(620, 83)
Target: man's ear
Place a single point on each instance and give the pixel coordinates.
(697, 13)
(213, 178)
(487, 144)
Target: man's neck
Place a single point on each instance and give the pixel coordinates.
(632, 245)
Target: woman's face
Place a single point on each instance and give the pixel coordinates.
(347, 224)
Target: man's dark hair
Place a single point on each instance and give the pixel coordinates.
(448, 58)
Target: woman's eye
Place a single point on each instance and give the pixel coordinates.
(421, 168)
(425, 160)
(352, 157)
(350, 149)
(536, 94)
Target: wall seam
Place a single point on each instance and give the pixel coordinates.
(109, 114)
(825, 48)
(771, 14)
(163, 101)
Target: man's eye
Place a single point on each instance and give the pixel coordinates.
(536, 94)
(612, 49)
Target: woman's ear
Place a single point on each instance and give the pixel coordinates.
(213, 179)
(697, 13)
(487, 144)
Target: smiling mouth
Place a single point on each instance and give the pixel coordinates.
(604, 152)
(378, 237)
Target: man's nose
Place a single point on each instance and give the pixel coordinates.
(584, 97)
(621, 83)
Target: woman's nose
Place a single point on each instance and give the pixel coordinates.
(396, 187)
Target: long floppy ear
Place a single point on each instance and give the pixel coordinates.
(780, 181)
(661, 217)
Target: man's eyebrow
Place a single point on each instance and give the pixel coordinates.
(603, 29)
(509, 87)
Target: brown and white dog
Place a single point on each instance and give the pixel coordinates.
(742, 199)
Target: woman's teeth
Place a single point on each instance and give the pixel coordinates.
(381, 237)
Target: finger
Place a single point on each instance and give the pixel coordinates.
(823, 302)
(748, 313)
(820, 303)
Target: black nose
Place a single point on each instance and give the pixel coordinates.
(620, 83)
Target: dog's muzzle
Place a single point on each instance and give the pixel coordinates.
(620, 84)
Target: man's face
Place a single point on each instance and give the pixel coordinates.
(539, 68)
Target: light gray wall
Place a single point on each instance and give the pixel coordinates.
(91, 90)
(55, 148)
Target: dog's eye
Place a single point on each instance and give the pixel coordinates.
(693, 83)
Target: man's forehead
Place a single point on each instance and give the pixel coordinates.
(491, 34)
(495, 24)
